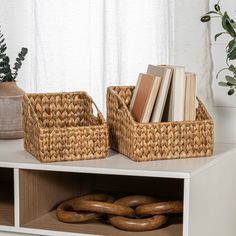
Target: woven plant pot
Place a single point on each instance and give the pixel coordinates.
(62, 127)
(156, 141)
(10, 111)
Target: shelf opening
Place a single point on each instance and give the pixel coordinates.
(6, 197)
(42, 191)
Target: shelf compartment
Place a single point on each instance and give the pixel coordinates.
(7, 197)
(42, 191)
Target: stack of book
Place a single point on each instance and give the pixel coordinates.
(165, 93)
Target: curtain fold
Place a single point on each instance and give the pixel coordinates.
(192, 47)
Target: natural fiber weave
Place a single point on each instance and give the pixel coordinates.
(62, 127)
(155, 141)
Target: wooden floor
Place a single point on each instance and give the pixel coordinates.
(50, 222)
(6, 205)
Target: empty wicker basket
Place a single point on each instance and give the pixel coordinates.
(62, 127)
(155, 141)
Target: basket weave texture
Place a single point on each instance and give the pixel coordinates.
(156, 141)
(62, 127)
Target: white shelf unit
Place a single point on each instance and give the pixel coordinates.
(206, 185)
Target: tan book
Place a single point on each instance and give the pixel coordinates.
(144, 97)
(190, 97)
(166, 75)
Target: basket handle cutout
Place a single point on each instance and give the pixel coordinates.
(121, 104)
(97, 112)
(30, 110)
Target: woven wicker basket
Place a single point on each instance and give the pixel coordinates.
(155, 141)
(62, 127)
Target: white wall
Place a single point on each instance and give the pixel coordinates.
(222, 107)
(15, 21)
(191, 42)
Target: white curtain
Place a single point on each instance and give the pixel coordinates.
(91, 44)
(192, 47)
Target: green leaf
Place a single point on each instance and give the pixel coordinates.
(2, 55)
(232, 55)
(224, 17)
(3, 49)
(205, 18)
(230, 45)
(217, 7)
(17, 66)
(231, 92)
(8, 75)
(4, 71)
(19, 61)
(234, 25)
(219, 34)
(230, 79)
(21, 56)
(6, 59)
(223, 84)
(232, 68)
(227, 25)
(4, 45)
(2, 41)
(230, 28)
(24, 51)
(7, 69)
(2, 63)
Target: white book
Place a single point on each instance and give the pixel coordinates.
(166, 75)
(177, 94)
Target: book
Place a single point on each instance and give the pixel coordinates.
(144, 97)
(175, 106)
(166, 74)
(190, 97)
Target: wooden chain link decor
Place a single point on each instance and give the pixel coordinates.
(131, 213)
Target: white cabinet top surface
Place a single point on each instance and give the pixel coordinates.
(13, 155)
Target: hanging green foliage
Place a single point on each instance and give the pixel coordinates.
(6, 74)
(229, 28)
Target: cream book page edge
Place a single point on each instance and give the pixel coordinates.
(151, 100)
(135, 92)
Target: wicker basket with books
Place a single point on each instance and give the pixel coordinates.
(62, 127)
(148, 140)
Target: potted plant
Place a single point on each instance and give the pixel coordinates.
(229, 28)
(10, 94)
